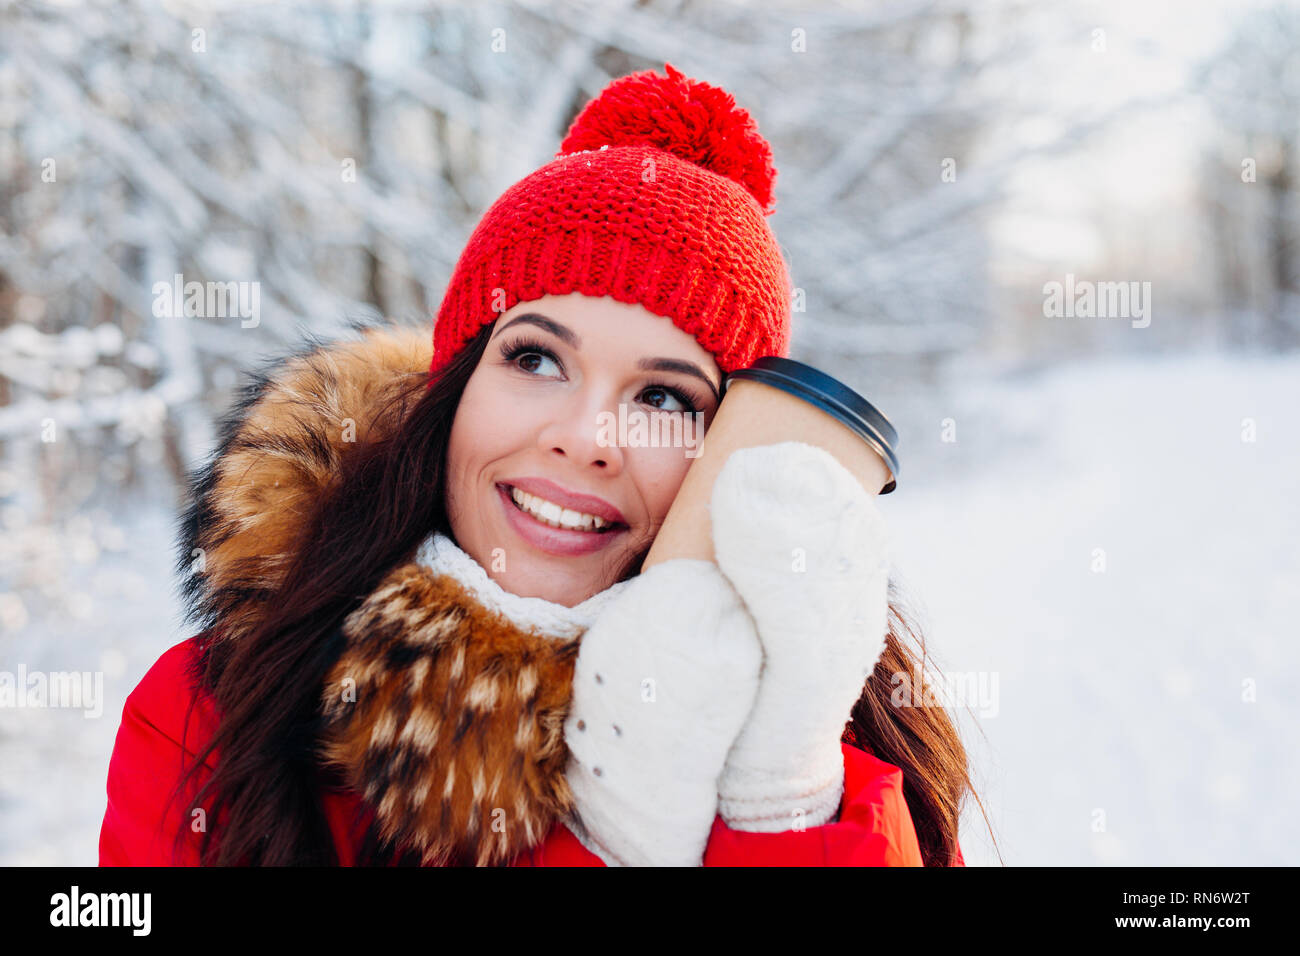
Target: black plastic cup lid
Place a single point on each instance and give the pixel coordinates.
(831, 396)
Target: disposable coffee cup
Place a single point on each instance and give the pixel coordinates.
(777, 400)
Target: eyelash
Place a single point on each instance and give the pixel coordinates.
(512, 350)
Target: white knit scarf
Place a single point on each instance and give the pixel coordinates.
(441, 554)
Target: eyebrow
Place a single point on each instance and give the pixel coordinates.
(570, 338)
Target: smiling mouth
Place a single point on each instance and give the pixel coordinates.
(553, 516)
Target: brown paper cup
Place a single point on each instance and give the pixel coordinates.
(776, 400)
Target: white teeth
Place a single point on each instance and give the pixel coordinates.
(550, 513)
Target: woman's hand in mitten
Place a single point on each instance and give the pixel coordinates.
(663, 681)
(808, 551)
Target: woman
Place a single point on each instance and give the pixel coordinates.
(425, 634)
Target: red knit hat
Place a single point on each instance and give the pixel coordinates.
(657, 197)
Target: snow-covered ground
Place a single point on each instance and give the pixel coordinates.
(1144, 713)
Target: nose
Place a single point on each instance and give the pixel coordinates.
(586, 432)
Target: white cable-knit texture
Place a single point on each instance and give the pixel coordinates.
(807, 549)
(443, 555)
(664, 680)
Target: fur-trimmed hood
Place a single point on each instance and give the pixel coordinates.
(442, 713)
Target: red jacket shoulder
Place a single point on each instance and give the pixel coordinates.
(165, 721)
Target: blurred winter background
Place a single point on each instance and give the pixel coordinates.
(1096, 511)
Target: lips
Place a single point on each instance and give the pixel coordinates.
(560, 542)
(550, 491)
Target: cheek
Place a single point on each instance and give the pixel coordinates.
(487, 428)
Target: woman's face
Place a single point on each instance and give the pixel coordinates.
(541, 415)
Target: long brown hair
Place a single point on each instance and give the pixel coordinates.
(265, 790)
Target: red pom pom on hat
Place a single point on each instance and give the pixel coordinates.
(689, 118)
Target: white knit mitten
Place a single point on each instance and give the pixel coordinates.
(663, 681)
(807, 549)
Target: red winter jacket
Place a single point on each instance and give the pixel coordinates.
(874, 827)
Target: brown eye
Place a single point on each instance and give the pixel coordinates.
(530, 352)
(686, 404)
